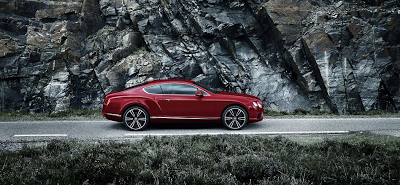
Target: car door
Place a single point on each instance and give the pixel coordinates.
(156, 94)
(180, 101)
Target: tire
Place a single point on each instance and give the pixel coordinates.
(136, 118)
(235, 117)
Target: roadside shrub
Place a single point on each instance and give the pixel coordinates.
(275, 113)
(251, 168)
(283, 113)
(301, 112)
(373, 112)
(320, 112)
(224, 159)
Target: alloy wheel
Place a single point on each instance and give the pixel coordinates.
(235, 117)
(136, 118)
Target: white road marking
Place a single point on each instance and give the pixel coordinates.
(244, 133)
(41, 135)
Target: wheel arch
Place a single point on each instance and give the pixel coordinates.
(234, 104)
(136, 101)
(134, 104)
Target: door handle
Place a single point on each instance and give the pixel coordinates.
(167, 99)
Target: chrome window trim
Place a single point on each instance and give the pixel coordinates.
(206, 93)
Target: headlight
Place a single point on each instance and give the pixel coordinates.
(255, 104)
(259, 104)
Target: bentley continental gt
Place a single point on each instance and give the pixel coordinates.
(172, 100)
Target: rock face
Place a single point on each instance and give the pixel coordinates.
(328, 55)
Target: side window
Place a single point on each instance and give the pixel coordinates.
(178, 89)
(155, 89)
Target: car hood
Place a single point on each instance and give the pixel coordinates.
(239, 94)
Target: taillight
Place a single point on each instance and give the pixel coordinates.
(106, 100)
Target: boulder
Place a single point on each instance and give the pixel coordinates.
(316, 55)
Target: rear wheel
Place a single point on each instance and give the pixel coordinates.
(235, 117)
(136, 118)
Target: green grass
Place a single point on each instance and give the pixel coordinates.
(72, 114)
(226, 159)
(297, 112)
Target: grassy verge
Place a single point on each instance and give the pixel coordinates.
(72, 114)
(356, 159)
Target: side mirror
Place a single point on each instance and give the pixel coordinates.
(199, 94)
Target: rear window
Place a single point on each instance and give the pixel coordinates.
(155, 89)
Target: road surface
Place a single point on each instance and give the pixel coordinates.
(109, 130)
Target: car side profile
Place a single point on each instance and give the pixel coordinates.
(172, 100)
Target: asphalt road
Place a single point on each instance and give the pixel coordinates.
(109, 130)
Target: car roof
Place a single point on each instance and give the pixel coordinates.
(161, 82)
(171, 81)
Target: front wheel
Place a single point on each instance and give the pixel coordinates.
(235, 117)
(136, 118)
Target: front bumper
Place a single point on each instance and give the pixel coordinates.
(256, 115)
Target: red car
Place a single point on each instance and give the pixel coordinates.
(166, 100)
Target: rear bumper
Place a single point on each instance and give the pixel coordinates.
(111, 116)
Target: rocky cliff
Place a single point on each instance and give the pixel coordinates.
(328, 55)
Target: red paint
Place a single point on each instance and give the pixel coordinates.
(199, 105)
